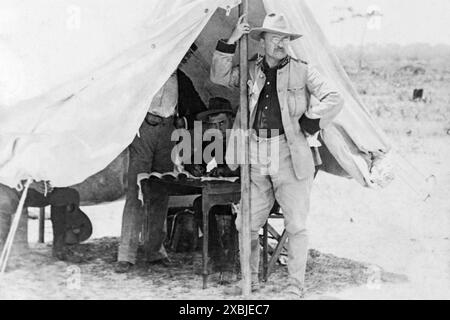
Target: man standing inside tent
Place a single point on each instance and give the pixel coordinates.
(149, 152)
(281, 118)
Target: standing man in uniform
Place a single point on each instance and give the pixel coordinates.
(281, 117)
(151, 152)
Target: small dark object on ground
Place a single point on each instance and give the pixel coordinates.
(418, 94)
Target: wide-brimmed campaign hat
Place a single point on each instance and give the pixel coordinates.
(275, 23)
(216, 105)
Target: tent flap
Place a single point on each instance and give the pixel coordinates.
(66, 129)
(79, 76)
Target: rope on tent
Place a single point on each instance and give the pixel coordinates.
(14, 226)
(413, 176)
(420, 194)
(342, 205)
(415, 169)
(407, 177)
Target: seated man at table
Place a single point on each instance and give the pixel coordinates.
(217, 120)
(222, 234)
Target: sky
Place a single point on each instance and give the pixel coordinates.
(403, 21)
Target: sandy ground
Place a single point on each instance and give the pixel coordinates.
(368, 244)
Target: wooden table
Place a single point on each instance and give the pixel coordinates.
(213, 193)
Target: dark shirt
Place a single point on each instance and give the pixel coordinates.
(268, 112)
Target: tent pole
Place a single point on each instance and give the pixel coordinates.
(245, 168)
(42, 225)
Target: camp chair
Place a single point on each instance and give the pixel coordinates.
(269, 231)
(182, 230)
(181, 199)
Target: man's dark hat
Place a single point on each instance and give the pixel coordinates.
(216, 105)
(78, 227)
(193, 47)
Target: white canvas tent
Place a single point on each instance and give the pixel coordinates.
(77, 77)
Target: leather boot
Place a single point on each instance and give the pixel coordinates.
(236, 290)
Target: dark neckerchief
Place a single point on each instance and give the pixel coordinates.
(265, 67)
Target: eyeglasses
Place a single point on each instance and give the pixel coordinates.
(278, 40)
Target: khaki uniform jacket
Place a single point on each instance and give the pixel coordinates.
(296, 82)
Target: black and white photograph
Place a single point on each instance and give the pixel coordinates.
(224, 150)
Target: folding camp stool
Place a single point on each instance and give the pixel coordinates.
(268, 265)
(186, 197)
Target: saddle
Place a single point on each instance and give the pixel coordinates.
(78, 227)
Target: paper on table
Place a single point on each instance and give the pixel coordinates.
(140, 178)
(227, 179)
(211, 165)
